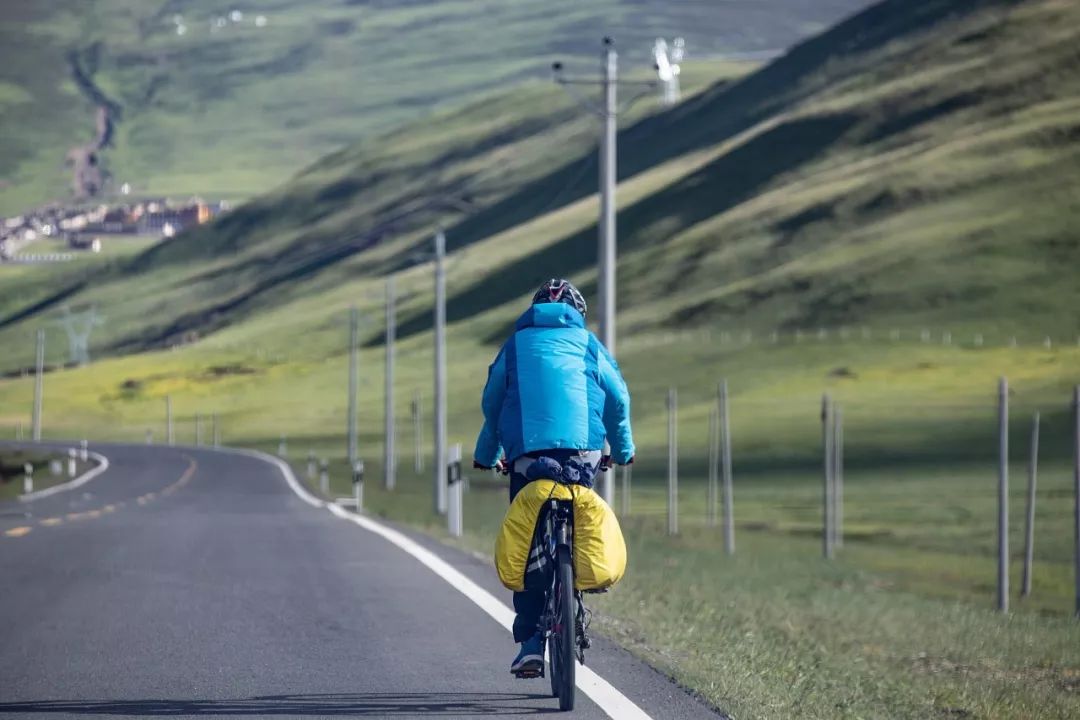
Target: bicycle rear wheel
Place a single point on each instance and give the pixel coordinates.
(563, 669)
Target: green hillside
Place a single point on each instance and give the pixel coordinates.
(230, 108)
(895, 199)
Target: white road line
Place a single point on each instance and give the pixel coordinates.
(71, 485)
(611, 701)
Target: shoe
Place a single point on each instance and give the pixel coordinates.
(530, 661)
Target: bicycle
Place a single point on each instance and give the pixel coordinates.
(565, 621)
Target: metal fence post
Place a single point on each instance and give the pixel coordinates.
(1003, 497)
(39, 385)
(725, 454)
(827, 491)
(1029, 526)
(673, 462)
(168, 420)
(418, 434)
(389, 449)
(712, 488)
(352, 448)
(838, 477)
(1076, 495)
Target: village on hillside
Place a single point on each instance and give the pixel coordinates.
(85, 228)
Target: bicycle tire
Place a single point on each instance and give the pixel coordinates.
(564, 629)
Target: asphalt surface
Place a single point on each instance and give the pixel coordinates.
(191, 582)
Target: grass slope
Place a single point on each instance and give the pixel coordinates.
(794, 199)
(231, 111)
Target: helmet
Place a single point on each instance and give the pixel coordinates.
(558, 290)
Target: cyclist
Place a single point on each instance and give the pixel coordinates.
(553, 391)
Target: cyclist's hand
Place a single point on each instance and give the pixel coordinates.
(500, 467)
(605, 463)
(630, 461)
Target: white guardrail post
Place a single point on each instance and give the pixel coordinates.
(455, 497)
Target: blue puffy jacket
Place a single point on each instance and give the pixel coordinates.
(553, 385)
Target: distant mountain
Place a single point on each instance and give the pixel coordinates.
(229, 99)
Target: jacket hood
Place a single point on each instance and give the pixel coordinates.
(550, 315)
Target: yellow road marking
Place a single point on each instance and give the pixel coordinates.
(17, 531)
(49, 522)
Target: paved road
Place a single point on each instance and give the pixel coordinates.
(187, 582)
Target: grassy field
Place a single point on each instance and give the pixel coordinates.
(231, 111)
(882, 180)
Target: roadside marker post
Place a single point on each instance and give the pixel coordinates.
(85, 450)
(673, 462)
(358, 484)
(149, 436)
(282, 448)
(311, 466)
(324, 477)
(198, 429)
(1003, 497)
(455, 498)
(1029, 526)
(28, 479)
(71, 462)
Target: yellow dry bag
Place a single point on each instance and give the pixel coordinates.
(599, 548)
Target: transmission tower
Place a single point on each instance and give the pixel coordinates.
(79, 326)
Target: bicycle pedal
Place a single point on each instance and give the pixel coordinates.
(529, 674)
(586, 642)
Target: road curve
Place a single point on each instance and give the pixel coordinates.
(192, 582)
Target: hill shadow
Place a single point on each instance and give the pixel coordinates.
(322, 705)
(719, 113)
(714, 189)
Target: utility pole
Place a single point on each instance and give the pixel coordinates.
(608, 160)
(440, 374)
(354, 332)
(608, 111)
(39, 380)
(390, 459)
